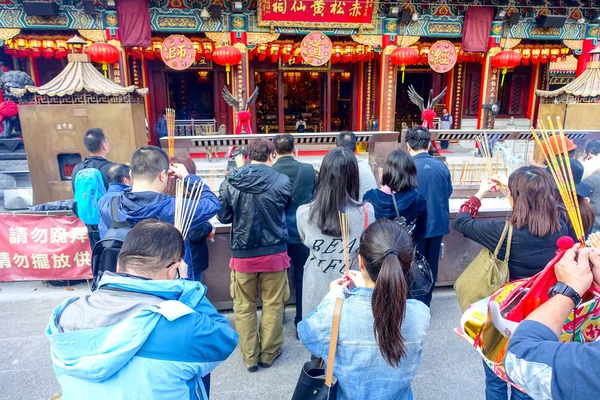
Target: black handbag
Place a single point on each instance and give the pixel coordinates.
(421, 276)
(315, 382)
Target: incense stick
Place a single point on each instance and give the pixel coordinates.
(186, 208)
(570, 173)
(187, 227)
(560, 169)
(345, 230)
(170, 118)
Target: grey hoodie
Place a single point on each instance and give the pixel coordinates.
(326, 260)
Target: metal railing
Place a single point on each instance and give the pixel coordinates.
(321, 138)
(502, 134)
(195, 127)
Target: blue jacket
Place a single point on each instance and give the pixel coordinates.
(360, 368)
(114, 190)
(548, 369)
(137, 206)
(138, 339)
(411, 205)
(435, 183)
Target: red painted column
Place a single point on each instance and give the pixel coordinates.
(532, 102)
(489, 83)
(584, 58)
(360, 97)
(387, 94)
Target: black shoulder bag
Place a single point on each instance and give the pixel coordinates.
(421, 275)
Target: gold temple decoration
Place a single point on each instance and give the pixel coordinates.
(261, 38)
(218, 37)
(573, 44)
(406, 41)
(95, 35)
(509, 43)
(9, 33)
(369, 40)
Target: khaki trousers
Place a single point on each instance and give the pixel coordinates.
(259, 343)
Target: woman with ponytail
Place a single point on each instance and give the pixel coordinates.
(381, 331)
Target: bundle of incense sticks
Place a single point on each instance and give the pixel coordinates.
(170, 118)
(473, 173)
(345, 229)
(186, 204)
(560, 168)
(484, 146)
(239, 160)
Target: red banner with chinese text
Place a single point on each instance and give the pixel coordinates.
(43, 247)
(313, 13)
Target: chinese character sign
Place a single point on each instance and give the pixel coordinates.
(318, 13)
(43, 248)
(178, 52)
(316, 49)
(442, 56)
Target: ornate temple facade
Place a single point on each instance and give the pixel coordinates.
(358, 88)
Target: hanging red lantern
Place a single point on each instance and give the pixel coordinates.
(404, 56)
(505, 60)
(227, 56)
(104, 54)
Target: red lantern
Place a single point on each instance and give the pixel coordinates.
(227, 56)
(504, 60)
(104, 54)
(404, 56)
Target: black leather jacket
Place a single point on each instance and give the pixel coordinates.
(254, 199)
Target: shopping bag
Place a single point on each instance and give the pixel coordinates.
(485, 274)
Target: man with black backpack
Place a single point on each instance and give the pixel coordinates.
(150, 171)
(90, 181)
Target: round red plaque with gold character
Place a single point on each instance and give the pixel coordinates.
(178, 52)
(442, 56)
(316, 49)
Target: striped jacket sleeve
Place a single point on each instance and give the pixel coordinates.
(548, 369)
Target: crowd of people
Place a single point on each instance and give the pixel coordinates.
(145, 332)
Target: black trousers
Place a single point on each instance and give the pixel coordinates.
(299, 254)
(430, 249)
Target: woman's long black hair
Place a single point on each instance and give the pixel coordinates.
(337, 187)
(386, 250)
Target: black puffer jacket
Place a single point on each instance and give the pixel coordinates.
(254, 199)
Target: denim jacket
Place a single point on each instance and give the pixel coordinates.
(360, 369)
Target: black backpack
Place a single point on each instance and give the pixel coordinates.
(106, 251)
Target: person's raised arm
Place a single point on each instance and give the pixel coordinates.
(536, 360)
(486, 233)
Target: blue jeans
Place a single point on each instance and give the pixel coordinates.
(497, 389)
